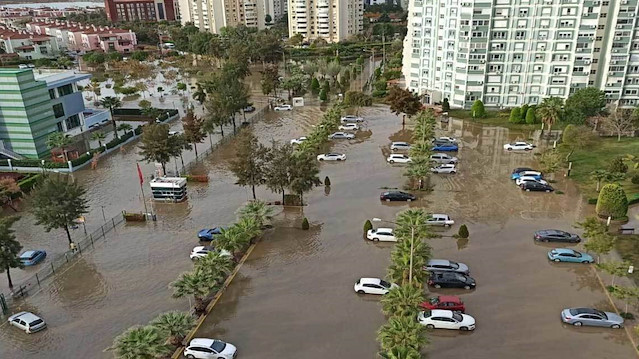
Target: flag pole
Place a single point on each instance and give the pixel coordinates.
(146, 211)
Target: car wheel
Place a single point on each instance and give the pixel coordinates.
(430, 326)
(463, 329)
(547, 190)
(527, 149)
(391, 161)
(577, 324)
(437, 286)
(453, 172)
(190, 356)
(408, 200)
(360, 292)
(556, 260)
(375, 239)
(321, 159)
(339, 159)
(527, 189)
(615, 326)
(545, 240)
(387, 199)
(467, 287)
(509, 149)
(446, 225)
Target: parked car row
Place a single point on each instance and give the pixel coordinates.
(530, 180)
(349, 123)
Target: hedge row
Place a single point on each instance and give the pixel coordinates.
(29, 182)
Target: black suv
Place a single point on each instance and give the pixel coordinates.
(555, 235)
(450, 280)
(397, 196)
(536, 186)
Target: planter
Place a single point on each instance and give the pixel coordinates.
(134, 217)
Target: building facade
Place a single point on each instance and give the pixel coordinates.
(513, 52)
(32, 106)
(27, 46)
(141, 10)
(212, 15)
(330, 20)
(79, 37)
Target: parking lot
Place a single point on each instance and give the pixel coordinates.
(294, 296)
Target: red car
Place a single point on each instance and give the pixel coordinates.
(448, 302)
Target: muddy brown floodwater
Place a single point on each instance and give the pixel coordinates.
(293, 298)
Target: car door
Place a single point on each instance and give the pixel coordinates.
(449, 323)
(594, 320)
(566, 257)
(562, 237)
(383, 236)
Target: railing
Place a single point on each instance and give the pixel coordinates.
(32, 284)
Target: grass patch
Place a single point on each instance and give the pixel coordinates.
(493, 118)
(559, 192)
(597, 156)
(628, 248)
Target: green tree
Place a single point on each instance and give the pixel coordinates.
(576, 137)
(618, 165)
(111, 103)
(197, 283)
(124, 127)
(400, 352)
(270, 79)
(139, 342)
(549, 111)
(615, 269)
(592, 227)
(233, 239)
(612, 201)
(418, 170)
(304, 173)
(139, 55)
(598, 176)
(600, 243)
(98, 136)
(181, 86)
(8, 189)
(199, 94)
(315, 86)
(477, 110)
(403, 101)
(156, 145)
(259, 211)
(550, 161)
(250, 163)
(403, 332)
(9, 248)
(620, 121)
(530, 116)
(176, 325)
(589, 101)
(296, 40)
(216, 265)
(515, 115)
(403, 301)
(322, 95)
(57, 204)
(445, 105)
(357, 99)
(400, 270)
(59, 140)
(278, 169)
(193, 129)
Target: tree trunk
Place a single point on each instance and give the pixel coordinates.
(64, 155)
(301, 199)
(234, 128)
(164, 168)
(115, 128)
(182, 159)
(254, 198)
(618, 136)
(66, 229)
(211, 140)
(283, 196)
(598, 184)
(9, 277)
(572, 150)
(195, 148)
(222, 130)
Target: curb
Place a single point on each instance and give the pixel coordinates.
(627, 329)
(178, 352)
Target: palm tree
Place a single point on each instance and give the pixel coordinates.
(250, 227)
(401, 353)
(98, 136)
(259, 211)
(112, 103)
(124, 127)
(197, 283)
(400, 269)
(140, 343)
(549, 110)
(215, 264)
(174, 324)
(403, 332)
(403, 301)
(59, 140)
(233, 239)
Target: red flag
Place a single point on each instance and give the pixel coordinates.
(140, 174)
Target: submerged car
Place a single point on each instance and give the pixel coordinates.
(449, 302)
(446, 265)
(400, 146)
(297, 141)
(438, 219)
(443, 158)
(202, 251)
(523, 179)
(331, 157)
(527, 173)
(445, 168)
(446, 147)
(381, 235)
(202, 348)
(395, 158)
(209, 234)
(348, 127)
(555, 235)
(445, 139)
(283, 108)
(591, 317)
(27, 321)
(536, 186)
(446, 319)
(519, 146)
(522, 169)
(397, 196)
(341, 135)
(439, 279)
(569, 255)
(351, 118)
(373, 286)
(31, 258)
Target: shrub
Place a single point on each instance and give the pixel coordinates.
(305, 225)
(592, 200)
(524, 111)
(322, 95)
(28, 183)
(633, 198)
(515, 115)
(612, 201)
(463, 231)
(635, 178)
(478, 110)
(367, 227)
(446, 105)
(617, 165)
(315, 86)
(327, 181)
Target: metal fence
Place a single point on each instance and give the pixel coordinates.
(59, 262)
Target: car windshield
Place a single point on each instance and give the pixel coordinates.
(434, 300)
(218, 346)
(35, 322)
(384, 284)
(577, 254)
(458, 317)
(454, 265)
(460, 277)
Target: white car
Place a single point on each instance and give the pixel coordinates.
(523, 179)
(349, 127)
(445, 168)
(381, 235)
(351, 118)
(202, 348)
(202, 251)
(529, 174)
(28, 322)
(283, 108)
(331, 157)
(373, 286)
(446, 319)
(443, 158)
(398, 159)
(519, 146)
(297, 141)
(438, 219)
(444, 138)
(400, 146)
(341, 135)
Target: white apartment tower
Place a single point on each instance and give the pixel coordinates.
(331, 20)
(513, 52)
(276, 8)
(212, 15)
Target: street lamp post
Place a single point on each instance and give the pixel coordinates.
(412, 244)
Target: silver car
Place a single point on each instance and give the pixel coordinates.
(341, 135)
(443, 158)
(400, 146)
(28, 322)
(447, 266)
(592, 317)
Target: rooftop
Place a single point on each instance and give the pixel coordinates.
(59, 78)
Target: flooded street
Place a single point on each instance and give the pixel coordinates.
(294, 297)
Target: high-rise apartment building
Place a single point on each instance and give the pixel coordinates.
(331, 20)
(140, 10)
(212, 15)
(276, 8)
(513, 52)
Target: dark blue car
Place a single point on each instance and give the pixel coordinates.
(31, 258)
(208, 234)
(446, 147)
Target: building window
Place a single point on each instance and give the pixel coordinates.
(65, 90)
(52, 94)
(72, 122)
(58, 110)
(60, 129)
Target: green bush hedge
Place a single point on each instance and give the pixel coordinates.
(592, 200)
(116, 141)
(612, 201)
(27, 183)
(633, 198)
